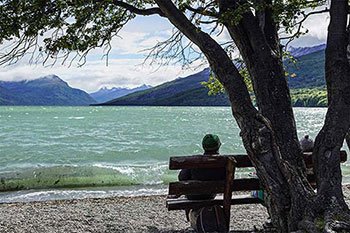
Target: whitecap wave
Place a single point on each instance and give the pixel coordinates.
(68, 194)
(76, 118)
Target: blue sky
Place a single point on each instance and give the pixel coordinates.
(125, 67)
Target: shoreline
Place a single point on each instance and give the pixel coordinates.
(116, 214)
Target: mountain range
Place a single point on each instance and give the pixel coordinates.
(105, 94)
(306, 80)
(48, 90)
(186, 91)
(305, 75)
(301, 51)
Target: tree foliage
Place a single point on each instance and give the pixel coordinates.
(53, 29)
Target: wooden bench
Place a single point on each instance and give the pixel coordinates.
(176, 201)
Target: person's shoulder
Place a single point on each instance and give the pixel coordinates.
(211, 153)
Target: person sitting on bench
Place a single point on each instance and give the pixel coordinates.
(206, 219)
(307, 144)
(211, 145)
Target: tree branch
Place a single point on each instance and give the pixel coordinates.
(217, 57)
(300, 23)
(138, 11)
(313, 13)
(268, 25)
(202, 11)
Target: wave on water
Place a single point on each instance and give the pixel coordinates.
(76, 118)
(96, 175)
(80, 193)
(99, 175)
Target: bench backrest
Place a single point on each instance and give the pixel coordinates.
(205, 187)
(208, 187)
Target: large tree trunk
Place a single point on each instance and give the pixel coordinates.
(257, 40)
(330, 139)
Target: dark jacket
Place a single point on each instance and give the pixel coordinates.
(202, 174)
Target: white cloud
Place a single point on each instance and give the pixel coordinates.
(120, 72)
(317, 25)
(133, 42)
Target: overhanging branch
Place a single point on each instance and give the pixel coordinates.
(138, 11)
(202, 11)
(300, 23)
(312, 13)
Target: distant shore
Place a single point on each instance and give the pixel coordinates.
(122, 214)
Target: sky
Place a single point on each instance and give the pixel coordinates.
(125, 64)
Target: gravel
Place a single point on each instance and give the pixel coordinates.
(122, 214)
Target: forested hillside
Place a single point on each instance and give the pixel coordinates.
(305, 77)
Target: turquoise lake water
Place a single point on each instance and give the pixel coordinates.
(73, 152)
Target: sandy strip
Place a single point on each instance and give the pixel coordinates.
(129, 214)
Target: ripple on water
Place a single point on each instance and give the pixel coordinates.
(120, 137)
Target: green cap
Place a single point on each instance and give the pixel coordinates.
(211, 142)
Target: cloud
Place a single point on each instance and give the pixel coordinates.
(134, 42)
(124, 64)
(317, 25)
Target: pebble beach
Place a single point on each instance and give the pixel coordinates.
(122, 214)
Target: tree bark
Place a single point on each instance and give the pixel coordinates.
(330, 139)
(256, 38)
(260, 50)
(330, 199)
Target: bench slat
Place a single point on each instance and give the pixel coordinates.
(208, 187)
(196, 187)
(309, 163)
(197, 161)
(242, 161)
(202, 161)
(183, 203)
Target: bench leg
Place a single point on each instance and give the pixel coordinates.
(230, 171)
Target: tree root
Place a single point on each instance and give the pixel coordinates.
(337, 227)
(334, 226)
(337, 222)
(333, 221)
